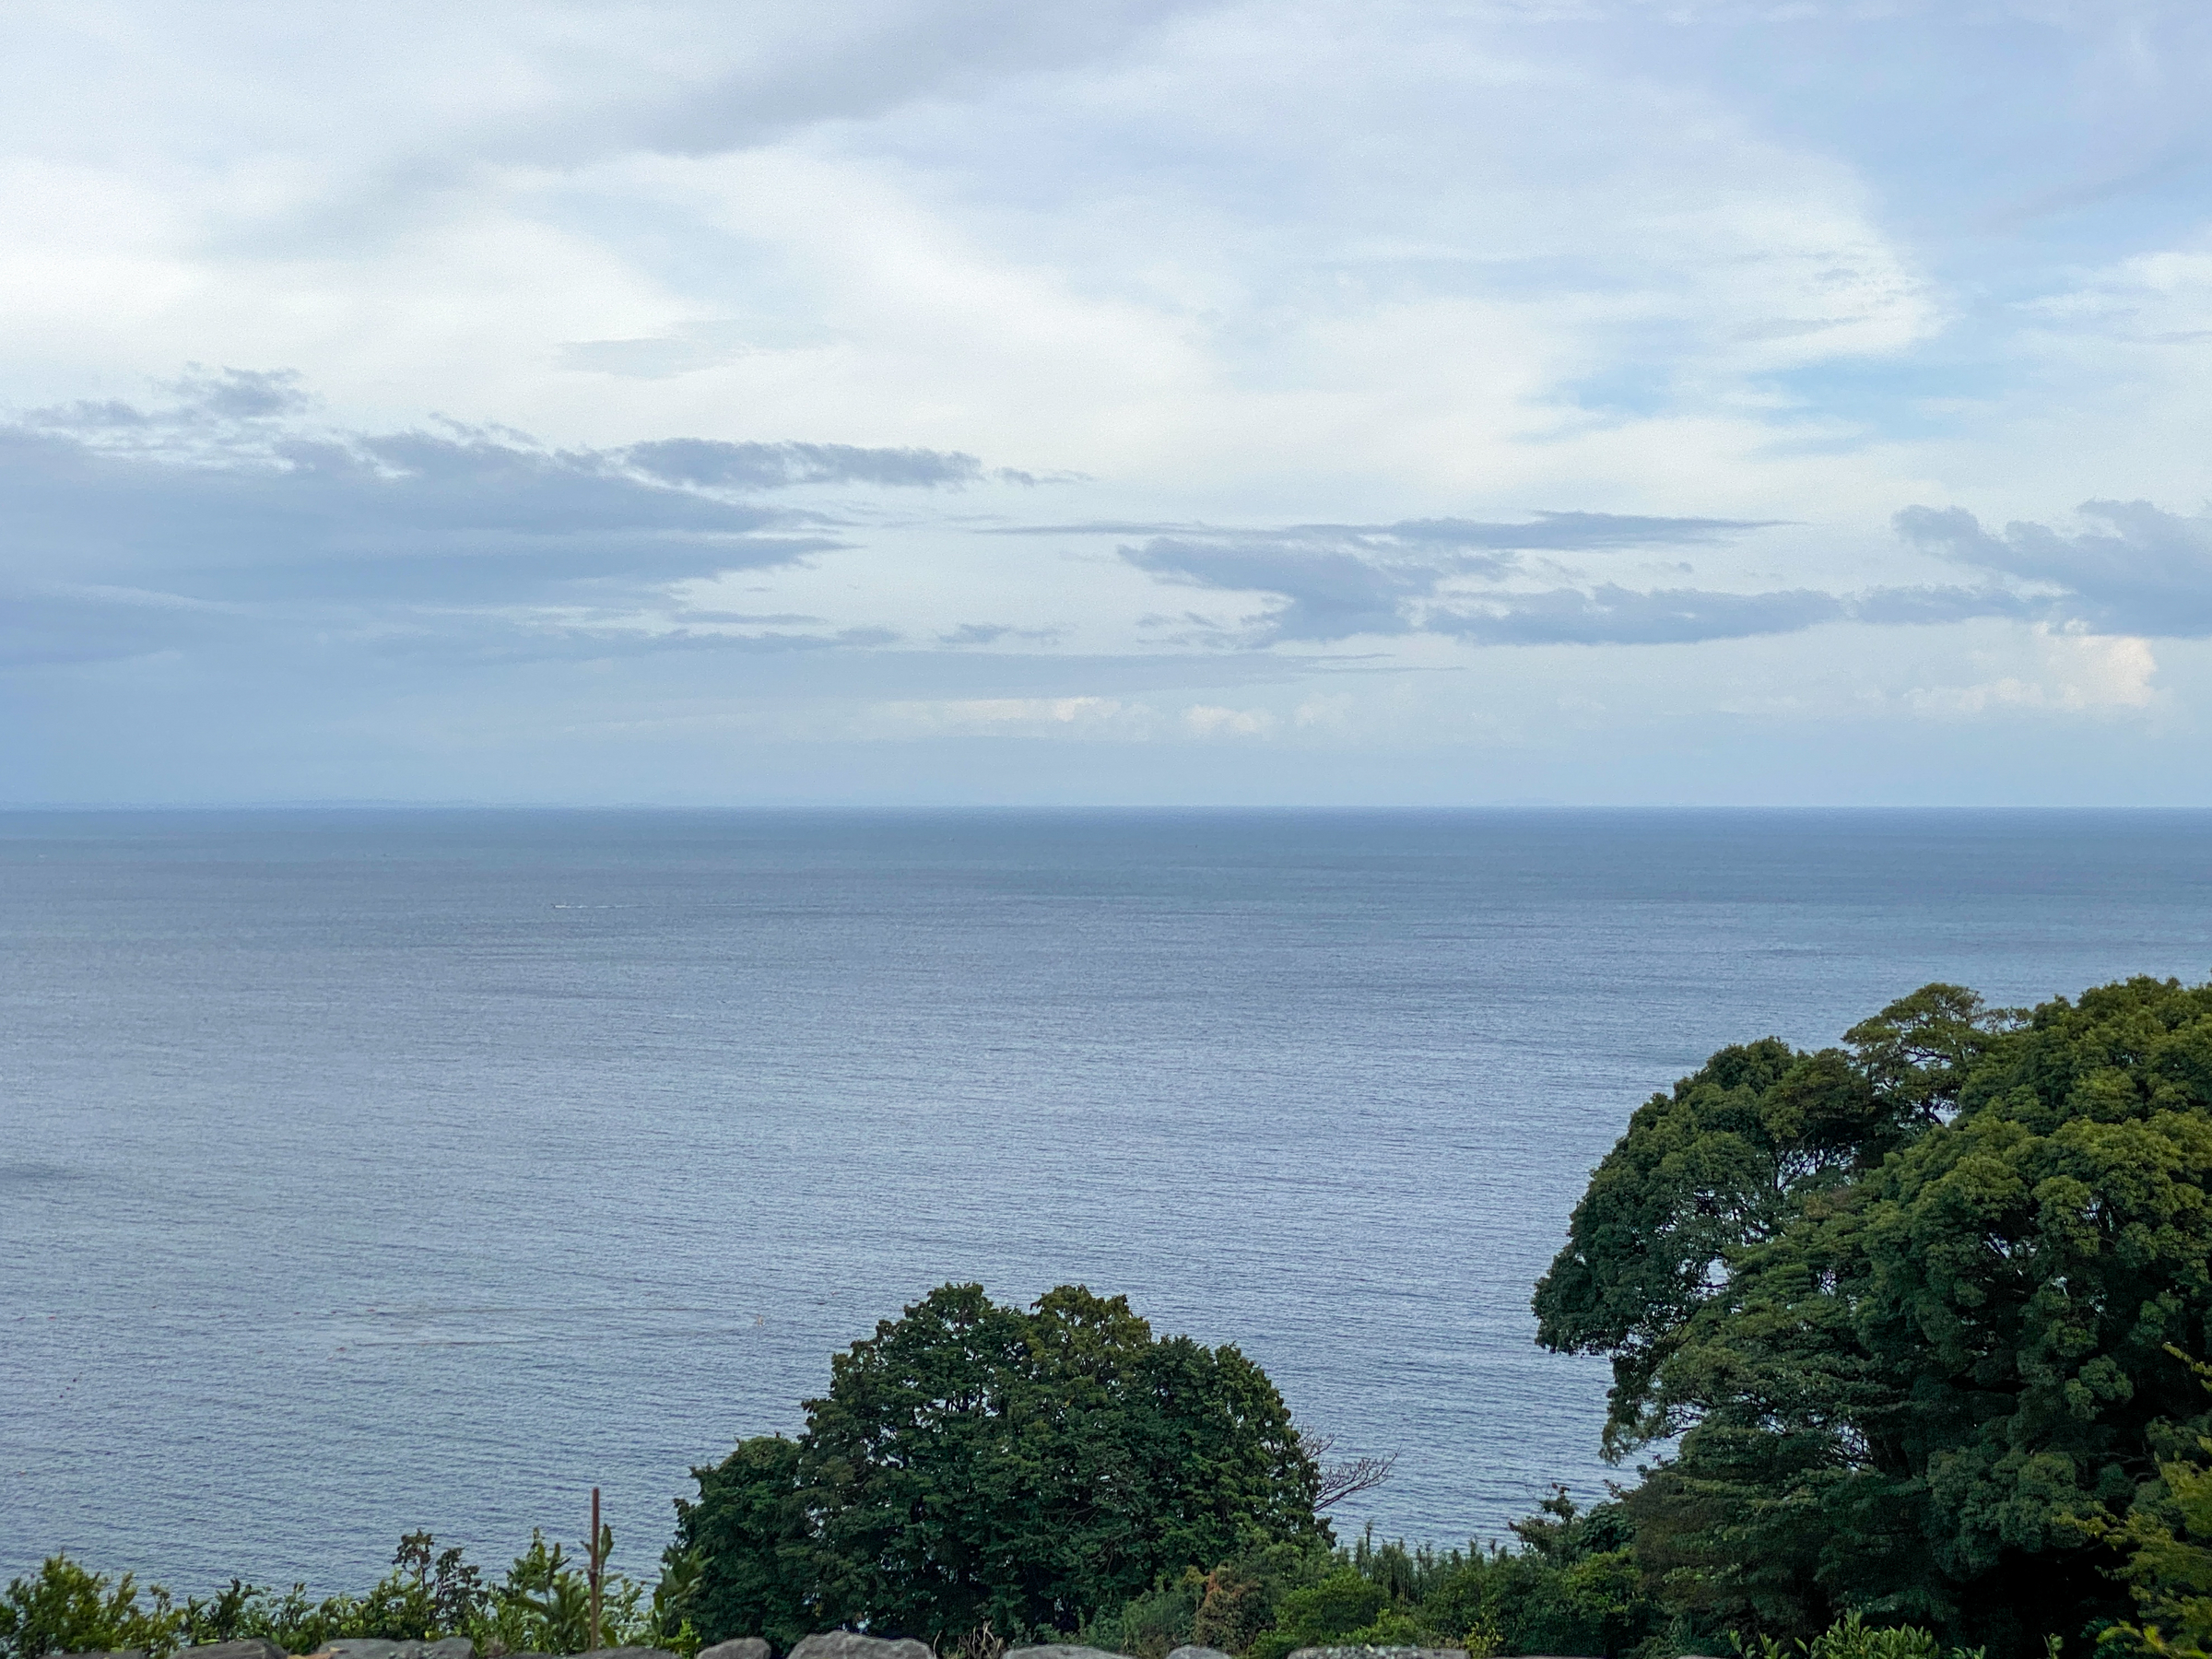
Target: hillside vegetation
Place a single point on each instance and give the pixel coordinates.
(1911, 1333)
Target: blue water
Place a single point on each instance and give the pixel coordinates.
(363, 1172)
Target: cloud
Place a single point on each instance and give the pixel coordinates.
(1546, 532)
(1610, 615)
(701, 463)
(203, 402)
(133, 529)
(991, 633)
(1328, 593)
(1335, 581)
(1211, 720)
(2072, 673)
(1340, 580)
(2137, 569)
(999, 716)
(843, 64)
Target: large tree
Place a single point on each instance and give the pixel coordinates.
(975, 1462)
(1910, 1306)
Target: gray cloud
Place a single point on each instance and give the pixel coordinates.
(1340, 580)
(133, 529)
(1330, 591)
(2143, 572)
(1920, 607)
(992, 633)
(705, 463)
(201, 401)
(1546, 532)
(1607, 615)
(1335, 581)
(885, 57)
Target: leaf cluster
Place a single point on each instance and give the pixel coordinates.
(2168, 1538)
(974, 1463)
(67, 1608)
(1568, 1585)
(542, 1606)
(1908, 1306)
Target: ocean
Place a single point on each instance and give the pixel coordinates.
(363, 1172)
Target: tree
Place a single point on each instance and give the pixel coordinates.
(1908, 1308)
(974, 1462)
(2168, 1540)
(746, 1545)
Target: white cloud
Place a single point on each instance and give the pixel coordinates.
(2068, 672)
(1210, 719)
(1077, 717)
(1265, 282)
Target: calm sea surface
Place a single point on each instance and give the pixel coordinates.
(366, 1172)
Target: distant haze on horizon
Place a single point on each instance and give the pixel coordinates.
(1573, 401)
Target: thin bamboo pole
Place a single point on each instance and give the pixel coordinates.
(598, 1563)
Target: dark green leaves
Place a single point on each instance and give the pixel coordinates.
(1908, 1307)
(975, 1462)
(1702, 1173)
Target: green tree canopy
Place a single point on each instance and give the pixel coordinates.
(974, 1462)
(1909, 1307)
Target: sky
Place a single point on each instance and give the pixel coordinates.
(1148, 402)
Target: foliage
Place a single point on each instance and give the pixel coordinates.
(67, 1610)
(542, 1606)
(429, 1593)
(1155, 1623)
(1574, 1586)
(1851, 1637)
(747, 1546)
(1236, 1603)
(1907, 1305)
(977, 1464)
(1345, 1610)
(2168, 1540)
(1569, 1585)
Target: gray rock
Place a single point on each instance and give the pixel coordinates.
(110, 1653)
(737, 1647)
(378, 1647)
(252, 1647)
(851, 1644)
(1065, 1650)
(1198, 1652)
(628, 1652)
(1377, 1652)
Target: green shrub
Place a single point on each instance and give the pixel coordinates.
(1235, 1608)
(1153, 1625)
(1329, 1612)
(542, 1605)
(1851, 1637)
(68, 1609)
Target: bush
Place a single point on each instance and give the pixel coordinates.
(67, 1610)
(542, 1606)
(1851, 1637)
(1153, 1625)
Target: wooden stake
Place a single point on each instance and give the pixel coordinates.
(596, 1565)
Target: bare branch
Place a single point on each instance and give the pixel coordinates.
(1347, 1477)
